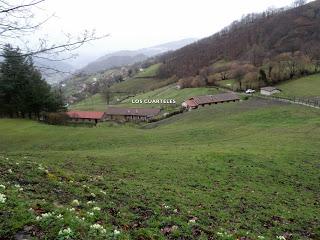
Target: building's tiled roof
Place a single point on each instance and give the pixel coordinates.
(145, 112)
(215, 98)
(191, 103)
(85, 115)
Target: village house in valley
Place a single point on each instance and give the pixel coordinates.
(131, 114)
(82, 116)
(195, 102)
(268, 91)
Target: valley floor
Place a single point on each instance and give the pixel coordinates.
(247, 170)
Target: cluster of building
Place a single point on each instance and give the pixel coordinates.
(114, 114)
(120, 114)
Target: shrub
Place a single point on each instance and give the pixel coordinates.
(60, 118)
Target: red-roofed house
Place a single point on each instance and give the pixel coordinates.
(83, 116)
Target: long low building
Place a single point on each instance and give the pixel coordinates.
(131, 114)
(195, 102)
(84, 116)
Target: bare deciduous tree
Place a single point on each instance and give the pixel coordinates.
(17, 22)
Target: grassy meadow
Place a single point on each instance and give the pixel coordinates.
(247, 170)
(306, 87)
(96, 102)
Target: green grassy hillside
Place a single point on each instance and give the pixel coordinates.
(96, 102)
(231, 171)
(306, 87)
(93, 103)
(170, 92)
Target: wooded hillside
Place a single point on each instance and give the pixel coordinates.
(257, 39)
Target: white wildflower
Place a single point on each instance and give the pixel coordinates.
(67, 233)
(75, 202)
(3, 198)
(7, 158)
(10, 170)
(46, 171)
(91, 202)
(281, 238)
(2, 186)
(84, 186)
(99, 228)
(90, 213)
(116, 232)
(96, 209)
(71, 209)
(103, 192)
(18, 186)
(17, 163)
(80, 219)
(44, 215)
(261, 237)
(41, 168)
(93, 195)
(60, 216)
(192, 221)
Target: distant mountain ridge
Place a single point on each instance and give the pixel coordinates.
(126, 57)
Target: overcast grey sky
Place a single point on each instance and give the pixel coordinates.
(135, 24)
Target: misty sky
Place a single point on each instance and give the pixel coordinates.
(135, 24)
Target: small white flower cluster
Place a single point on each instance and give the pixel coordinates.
(261, 237)
(91, 202)
(75, 202)
(3, 198)
(41, 168)
(90, 213)
(71, 209)
(80, 219)
(116, 232)
(2, 186)
(193, 220)
(103, 192)
(99, 228)
(59, 217)
(10, 170)
(44, 216)
(224, 234)
(281, 238)
(96, 209)
(19, 187)
(93, 195)
(66, 233)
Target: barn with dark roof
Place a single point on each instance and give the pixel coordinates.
(195, 102)
(131, 114)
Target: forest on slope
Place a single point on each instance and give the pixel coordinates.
(260, 49)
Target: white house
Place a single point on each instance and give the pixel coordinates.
(268, 91)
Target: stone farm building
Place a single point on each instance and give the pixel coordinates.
(131, 114)
(268, 91)
(82, 116)
(195, 102)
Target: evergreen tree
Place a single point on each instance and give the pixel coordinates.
(22, 88)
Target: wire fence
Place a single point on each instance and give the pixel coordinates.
(298, 100)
